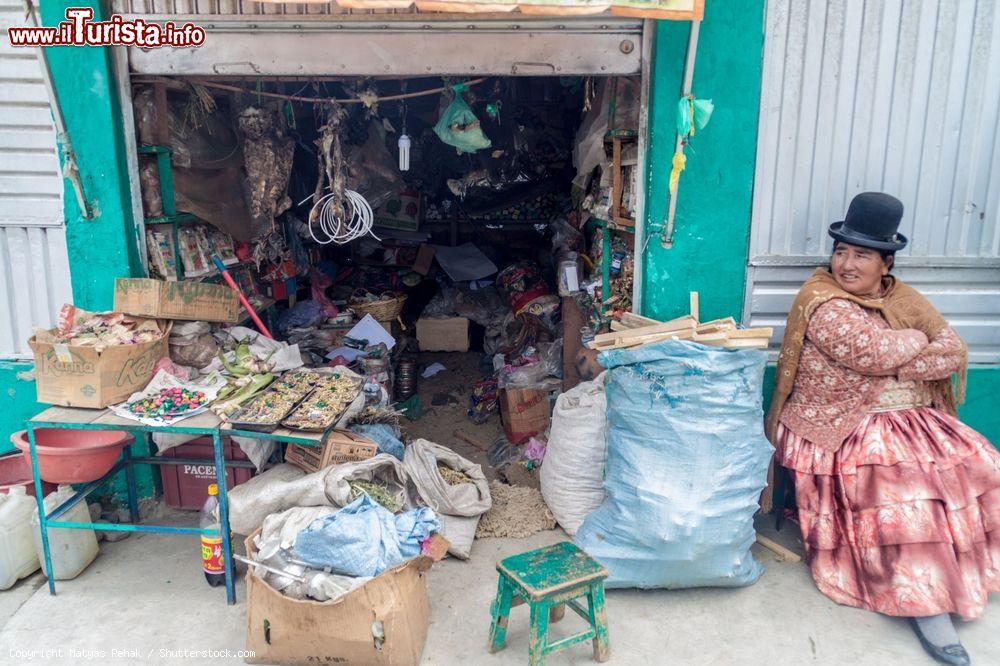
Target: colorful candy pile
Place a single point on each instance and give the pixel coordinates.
(169, 402)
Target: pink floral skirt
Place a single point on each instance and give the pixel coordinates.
(903, 519)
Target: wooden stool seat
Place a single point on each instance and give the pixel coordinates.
(548, 580)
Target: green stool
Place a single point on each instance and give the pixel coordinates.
(548, 580)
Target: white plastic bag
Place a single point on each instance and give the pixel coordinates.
(572, 474)
(458, 507)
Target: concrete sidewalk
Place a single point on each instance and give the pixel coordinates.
(144, 600)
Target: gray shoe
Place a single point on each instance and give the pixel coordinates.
(953, 654)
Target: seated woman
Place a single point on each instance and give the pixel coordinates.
(898, 501)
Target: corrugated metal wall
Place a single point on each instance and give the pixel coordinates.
(238, 7)
(34, 269)
(890, 95)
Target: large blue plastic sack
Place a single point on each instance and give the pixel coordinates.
(686, 463)
(364, 538)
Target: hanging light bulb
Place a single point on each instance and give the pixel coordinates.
(404, 151)
(404, 140)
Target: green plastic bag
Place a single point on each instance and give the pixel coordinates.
(693, 114)
(459, 127)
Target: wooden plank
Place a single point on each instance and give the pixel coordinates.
(762, 332)
(468, 439)
(782, 553)
(638, 320)
(747, 343)
(68, 415)
(681, 324)
(705, 338)
(620, 326)
(642, 340)
(693, 296)
(718, 324)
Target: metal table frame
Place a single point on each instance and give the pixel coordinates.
(205, 424)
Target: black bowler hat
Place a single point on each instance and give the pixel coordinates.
(872, 220)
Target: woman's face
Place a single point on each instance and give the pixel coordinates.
(858, 270)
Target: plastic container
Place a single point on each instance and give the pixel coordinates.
(73, 456)
(72, 550)
(17, 548)
(185, 485)
(15, 472)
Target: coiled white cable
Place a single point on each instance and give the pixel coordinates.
(358, 212)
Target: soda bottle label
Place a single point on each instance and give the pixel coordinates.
(211, 554)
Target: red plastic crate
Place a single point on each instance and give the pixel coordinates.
(185, 486)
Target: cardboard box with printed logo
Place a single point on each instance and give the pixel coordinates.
(90, 376)
(190, 301)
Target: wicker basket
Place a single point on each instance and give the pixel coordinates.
(384, 310)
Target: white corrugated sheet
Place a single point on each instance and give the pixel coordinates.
(896, 96)
(34, 270)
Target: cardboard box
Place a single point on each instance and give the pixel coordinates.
(75, 376)
(443, 334)
(282, 630)
(340, 446)
(402, 211)
(525, 413)
(192, 301)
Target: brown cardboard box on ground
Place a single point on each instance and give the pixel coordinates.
(80, 376)
(525, 413)
(192, 301)
(282, 630)
(449, 334)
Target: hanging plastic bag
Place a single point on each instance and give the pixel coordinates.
(458, 126)
(693, 114)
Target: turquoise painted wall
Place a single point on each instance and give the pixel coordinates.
(17, 390)
(712, 224)
(105, 247)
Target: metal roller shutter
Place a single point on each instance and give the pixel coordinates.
(34, 269)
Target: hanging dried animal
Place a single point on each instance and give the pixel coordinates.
(341, 215)
(267, 156)
(330, 155)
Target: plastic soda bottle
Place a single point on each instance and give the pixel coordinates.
(211, 544)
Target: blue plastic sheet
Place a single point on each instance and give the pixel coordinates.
(364, 538)
(686, 463)
(382, 434)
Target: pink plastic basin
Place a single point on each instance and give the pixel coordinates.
(73, 456)
(15, 470)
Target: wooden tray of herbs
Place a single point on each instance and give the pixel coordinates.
(323, 407)
(265, 412)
